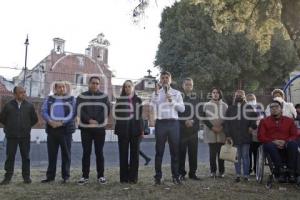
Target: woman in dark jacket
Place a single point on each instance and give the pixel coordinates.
(129, 128)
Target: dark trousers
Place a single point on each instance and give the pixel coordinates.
(253, 155)
(129, 171)
(87, 139)
(11, 150)
(166, 130)
(214, 154)
(188, 144)
(58, 138)
(290, 152)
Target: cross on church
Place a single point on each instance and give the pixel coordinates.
(149, 72)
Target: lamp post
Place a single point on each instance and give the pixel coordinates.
(25, 67)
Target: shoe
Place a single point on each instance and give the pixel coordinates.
(27, 180)
(132, 182)
(157, 181)
(194, 177)
(177, 181)
(83, 181)
(182, 178)
(5, 181)
(213, 175)
(221, 175)
(47, 180)
(237, 179)
(147, 161)
(246, 179)
(65, 181)
(102, 180)
(292, 179)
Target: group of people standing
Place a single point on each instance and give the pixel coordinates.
(177, 118)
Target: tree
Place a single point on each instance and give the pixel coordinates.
(225, 43)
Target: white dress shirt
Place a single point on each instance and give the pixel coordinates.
(165, 109)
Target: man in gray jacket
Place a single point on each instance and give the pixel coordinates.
(18, 116)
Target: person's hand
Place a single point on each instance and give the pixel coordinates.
(55, 124)
(92, 121)
(279, 143)
(217, 129)
(169, 98)
(189, 123)
(156, 89)
(142, 135)
(251, 130)
(52, 124)
(229, 140)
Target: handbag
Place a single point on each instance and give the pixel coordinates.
(228, 152)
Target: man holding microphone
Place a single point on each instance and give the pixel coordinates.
(167, 103)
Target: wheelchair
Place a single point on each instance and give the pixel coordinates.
(262, 160)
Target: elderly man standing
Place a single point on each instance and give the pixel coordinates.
(18, 116)
(278, 134)
(59, 112)
(167, 102)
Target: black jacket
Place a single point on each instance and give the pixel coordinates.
(18, 121)
(123, 128)
(94, 106)
(238, 127)
(191, 111)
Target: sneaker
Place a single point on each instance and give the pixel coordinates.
(177, 181)
(246, 179)
(221, 175)
(292, 179)
(102, 180)
(237, 179)
(182, 178)
(83, 181)
(213, 175)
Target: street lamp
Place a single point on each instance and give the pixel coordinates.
(25, 67)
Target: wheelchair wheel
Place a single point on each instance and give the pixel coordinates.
(260, 164)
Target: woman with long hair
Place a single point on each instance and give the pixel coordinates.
(129, 128)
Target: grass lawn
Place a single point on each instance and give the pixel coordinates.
(207, 188)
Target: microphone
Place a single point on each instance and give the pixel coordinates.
(166, 88)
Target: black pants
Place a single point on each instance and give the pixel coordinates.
(87, 138)
(188, 144)
(214, 154)
(11, 149)
(59, 138)
(253, 155)
(129, 172)
(167, 130)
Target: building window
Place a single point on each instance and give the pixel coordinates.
(79, 79)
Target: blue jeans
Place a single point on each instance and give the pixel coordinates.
(242, 155)
(167, 130)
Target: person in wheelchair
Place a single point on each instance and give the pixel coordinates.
(278, 134)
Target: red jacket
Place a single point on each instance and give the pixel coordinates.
(271, 129)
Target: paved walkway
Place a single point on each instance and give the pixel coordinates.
(39, 154)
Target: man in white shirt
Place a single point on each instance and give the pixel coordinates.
(167, 102)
